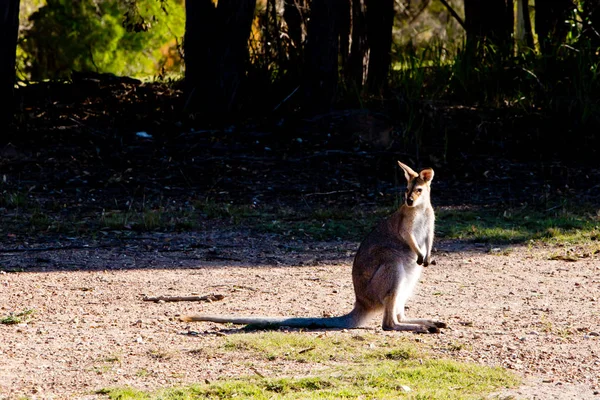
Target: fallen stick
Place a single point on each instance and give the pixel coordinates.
(209, 298)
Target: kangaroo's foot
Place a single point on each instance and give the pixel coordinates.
(430, 325)
(422, 326)
(406, 327)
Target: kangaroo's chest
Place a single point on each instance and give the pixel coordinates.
(421, 227)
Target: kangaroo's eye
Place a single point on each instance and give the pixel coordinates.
(419, 190)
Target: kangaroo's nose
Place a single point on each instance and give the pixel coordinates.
(409, 201)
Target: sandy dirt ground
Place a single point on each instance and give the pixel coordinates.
(512, 307)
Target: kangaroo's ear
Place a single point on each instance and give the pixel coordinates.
(409, 174)
(426, 175)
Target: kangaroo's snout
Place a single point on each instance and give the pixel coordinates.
(409, 201)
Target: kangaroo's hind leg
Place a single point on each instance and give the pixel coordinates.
(388, 282)
(407, 287)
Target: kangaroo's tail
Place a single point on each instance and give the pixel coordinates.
(348, 321)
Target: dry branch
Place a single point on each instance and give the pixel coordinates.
(209, 298)
(454, 14)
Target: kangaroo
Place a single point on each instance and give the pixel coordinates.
(385, 271)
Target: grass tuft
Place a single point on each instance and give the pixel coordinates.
(18, 318)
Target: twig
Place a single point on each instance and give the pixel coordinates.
(328, 193)
(306, 350)
(418, 13)
(208, 298)
(286, 99)
(454, 14)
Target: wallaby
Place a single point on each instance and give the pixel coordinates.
(386, 268)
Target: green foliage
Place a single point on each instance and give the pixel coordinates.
(134, 38)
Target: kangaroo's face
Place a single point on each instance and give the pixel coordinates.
(418, 185)
(416, 192)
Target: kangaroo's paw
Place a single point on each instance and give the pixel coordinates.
(420, 260)
(428, 261)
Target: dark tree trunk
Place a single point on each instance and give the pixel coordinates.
(380, 21)
(550, 25)
(321, 73)
(344, 24)
(355, 68)
(200, 26)
(237, 19)
(527, 27)
(489, 22)
(9, 30)
(216, 53)
(292, 15)
(294, 19)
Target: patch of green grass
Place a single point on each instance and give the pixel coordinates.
(518, 226)
(160, 354)
(39, 221)
(308, 348)
(441, 379)
(148, 220)
(142, 373)
(237, 213)
(13, 200)
(573, 225)
(362, 365)
(323, 224)
(17, 318)
(558, 226)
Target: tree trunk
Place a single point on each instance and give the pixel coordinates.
(524, 33)
(9, 30)
(344, 24)
(528, 27)
(356, 67)
(321, 73)
(550, 25)
(292, 16)
(380, 21)
(489, 22)
(216, 53)
(200, 26)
